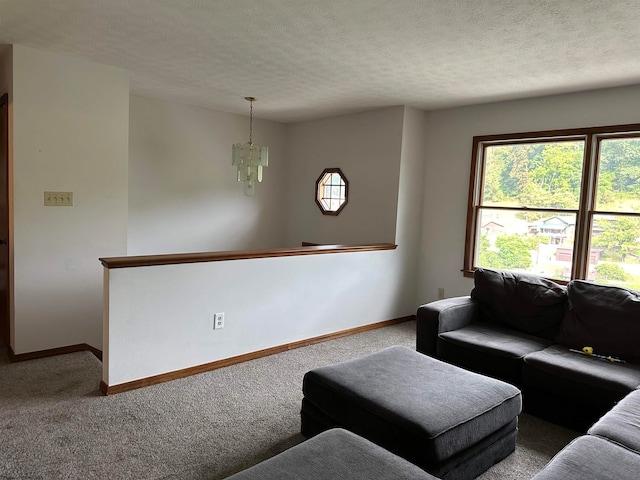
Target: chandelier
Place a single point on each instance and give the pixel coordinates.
(250, 158)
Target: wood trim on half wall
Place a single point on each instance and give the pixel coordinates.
(178, 258)
(187, 372)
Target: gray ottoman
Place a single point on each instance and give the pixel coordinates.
(335, 454)
(453, 423)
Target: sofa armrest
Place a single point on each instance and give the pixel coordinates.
(442, 316)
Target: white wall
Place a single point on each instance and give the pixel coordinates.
(366, 146)
(70, 124)
(410, 192)
(449, 136)
(183, 191)
(161, 317)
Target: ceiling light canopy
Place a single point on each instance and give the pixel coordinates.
(250, 158)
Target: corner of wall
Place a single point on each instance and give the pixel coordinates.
(410, 196)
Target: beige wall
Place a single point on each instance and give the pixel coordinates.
(449, 136)
(366, 146)
(70, 132)
(408, 173)
(183, 191)
(410, 193)
(157, 175)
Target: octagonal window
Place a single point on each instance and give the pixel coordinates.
(332, 191)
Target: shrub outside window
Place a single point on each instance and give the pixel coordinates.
(332, 191)
(559, 204)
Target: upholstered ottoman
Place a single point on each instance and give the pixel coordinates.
(452, 423)
(335, 454)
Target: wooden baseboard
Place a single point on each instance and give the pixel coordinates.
(81, 347)
(187, 372)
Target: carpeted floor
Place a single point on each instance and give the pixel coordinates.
(55, 424)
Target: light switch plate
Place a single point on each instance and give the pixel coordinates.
(58, 199)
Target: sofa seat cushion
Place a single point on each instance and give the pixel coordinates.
(526, 303)
(583, 378)
(603, 317)
(590, 457)
(622, 423)
(489, 349)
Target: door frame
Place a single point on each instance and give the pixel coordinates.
(5, 316)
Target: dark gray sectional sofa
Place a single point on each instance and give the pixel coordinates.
(609, 451)
(520, 328)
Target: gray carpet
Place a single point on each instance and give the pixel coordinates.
(55, 424)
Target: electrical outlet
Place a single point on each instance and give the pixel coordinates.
(218, 321)
(440, 293)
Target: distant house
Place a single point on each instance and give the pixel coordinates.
(558, 228)
(565, 254)
(492, 228)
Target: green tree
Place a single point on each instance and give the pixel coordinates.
(513, 251)
(619, 235)
(516, 161)
(534, 175)
(555, 180)
(486, 257)
(611, 271)
(620, 167)
(494, 169)
(619, 175)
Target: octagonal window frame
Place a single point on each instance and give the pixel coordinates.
(328, 194)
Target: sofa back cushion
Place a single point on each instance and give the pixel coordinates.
(526, 303)
(603, 317)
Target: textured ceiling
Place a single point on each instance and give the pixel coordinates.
(307, 59)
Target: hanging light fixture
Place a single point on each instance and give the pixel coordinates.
(250, 158)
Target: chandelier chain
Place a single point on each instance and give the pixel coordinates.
(251, 122)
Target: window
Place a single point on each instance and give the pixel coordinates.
(560, 204)
(332, 191)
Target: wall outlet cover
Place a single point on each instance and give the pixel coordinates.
(218, 321)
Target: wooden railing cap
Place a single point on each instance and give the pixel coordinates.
(178, 258)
